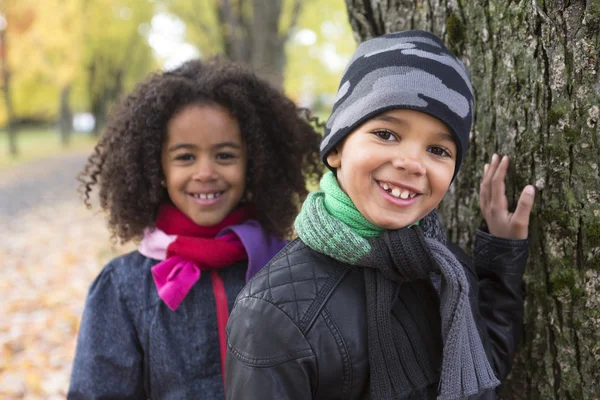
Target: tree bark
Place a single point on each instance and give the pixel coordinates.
(535, 68)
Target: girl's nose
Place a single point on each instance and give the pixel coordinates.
(409, 163)
(205, 170)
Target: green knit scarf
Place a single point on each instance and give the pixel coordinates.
(329, 223)
(351, 227)
(341, 207)
(344, 237)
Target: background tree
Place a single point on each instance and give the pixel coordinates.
(56, 55)
(17, 19)
(6, 92)
(116, 52)
(535, 69)
(41, 60)
(252, 32)
(93, 49)
(300, 45)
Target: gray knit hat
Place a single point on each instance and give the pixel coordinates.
(409, 70)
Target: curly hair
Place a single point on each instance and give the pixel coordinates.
(282, 145)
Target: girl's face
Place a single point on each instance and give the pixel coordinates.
(396, 167)
(204, 163)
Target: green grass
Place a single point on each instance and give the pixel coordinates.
(37, 143)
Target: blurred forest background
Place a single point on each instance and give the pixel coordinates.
(64, 62)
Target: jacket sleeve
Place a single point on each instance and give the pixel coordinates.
(268, 357)
(108, 359)
(500, 264)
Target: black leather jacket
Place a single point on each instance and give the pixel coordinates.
(298, 329)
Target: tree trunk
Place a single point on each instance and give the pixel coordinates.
(10, 126)
(103, 91)
(535, 68)
(66, 116)
(250, 34)
(267, 50)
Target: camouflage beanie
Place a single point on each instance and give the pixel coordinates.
(408, 70)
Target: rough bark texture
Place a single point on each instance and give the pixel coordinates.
(535, 69)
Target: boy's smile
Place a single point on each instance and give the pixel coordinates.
(396, 167)
(399, 190)
(204, 163)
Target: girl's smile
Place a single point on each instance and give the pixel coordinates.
(207, 199)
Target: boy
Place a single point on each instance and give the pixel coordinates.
(369, 302)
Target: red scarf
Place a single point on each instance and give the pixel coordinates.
(196, 249)
(198, 243)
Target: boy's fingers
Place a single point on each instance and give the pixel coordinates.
(498, 196)
(484, 190)
(520, 218)
(500, 172)
(483, 200)
(492, 168)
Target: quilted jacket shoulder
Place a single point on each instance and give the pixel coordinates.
(298, 328)
(296, 281)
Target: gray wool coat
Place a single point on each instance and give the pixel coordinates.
(132, 346)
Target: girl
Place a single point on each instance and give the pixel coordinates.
(369, 302)
(206, 165)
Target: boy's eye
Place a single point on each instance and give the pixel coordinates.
(439, 151)
(385, 135)
(184, 157)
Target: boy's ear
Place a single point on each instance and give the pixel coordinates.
(334, 158)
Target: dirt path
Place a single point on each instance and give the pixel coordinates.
(51, 248)
(39, 183)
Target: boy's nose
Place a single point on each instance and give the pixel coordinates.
(410, 164)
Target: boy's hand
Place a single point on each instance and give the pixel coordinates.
(494, 205)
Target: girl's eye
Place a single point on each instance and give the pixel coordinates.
(385, 135)
(185, 157)
(225, 156)
(439, 151)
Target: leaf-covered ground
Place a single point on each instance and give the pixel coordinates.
(51, 248)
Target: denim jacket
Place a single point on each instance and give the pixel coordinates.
(132, 346)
